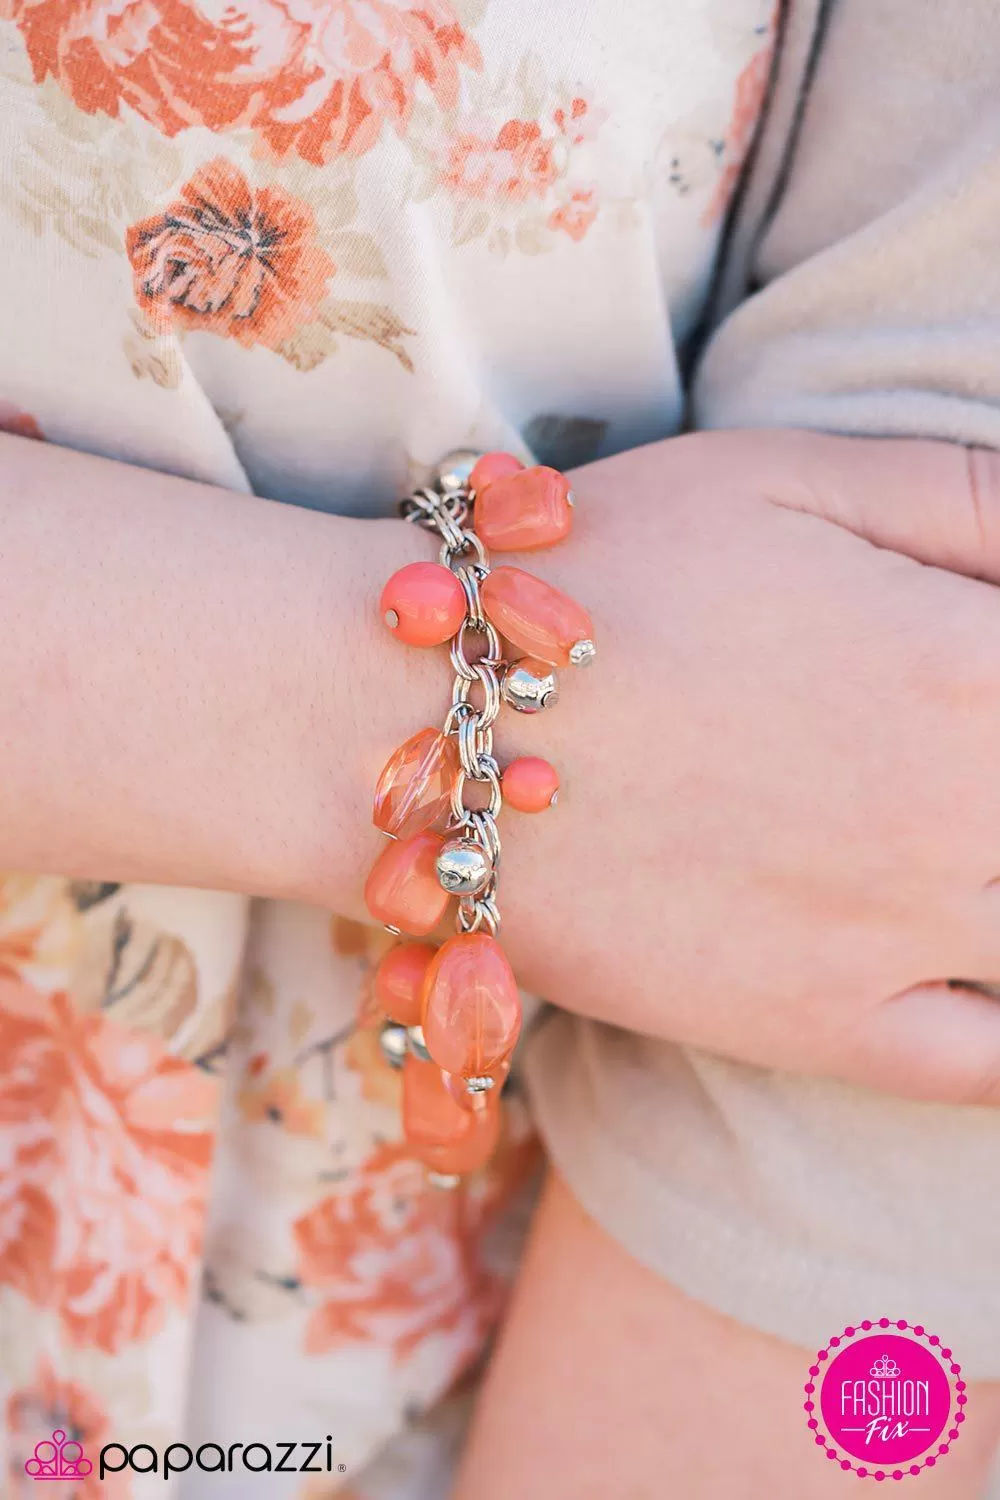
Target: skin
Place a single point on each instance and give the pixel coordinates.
(607, 1381)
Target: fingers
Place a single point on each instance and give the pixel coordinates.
(938, 503)
(936, 1042)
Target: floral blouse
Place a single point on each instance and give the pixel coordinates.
(302, 248)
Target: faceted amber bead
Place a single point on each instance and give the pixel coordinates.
(530, 784)
(523, 511)
(538, 618)
(414, 790)
(403, 889)
(399, 982)
(423, 604)
(472, 1011)
(490, 467)
(443, 1135)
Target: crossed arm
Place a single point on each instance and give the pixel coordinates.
(790, 732)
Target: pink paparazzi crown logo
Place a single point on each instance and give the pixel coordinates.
(61, 1458)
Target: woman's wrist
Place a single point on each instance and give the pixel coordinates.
(196, 691)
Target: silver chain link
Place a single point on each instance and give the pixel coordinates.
(446, 512)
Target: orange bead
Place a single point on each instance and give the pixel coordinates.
(538, 618)
(414, 790)
(423, 604)
(492, 466)
(443, 1135)
(399, 982)
(530, 784)
(523, 511)
(472, 1011)
(403, 889)
(471, 1151)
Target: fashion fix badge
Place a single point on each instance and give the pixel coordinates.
(885, 1399)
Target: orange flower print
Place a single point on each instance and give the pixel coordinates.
(278, 1096)
(105, 1145)
(514, 164)
(313, 78)
(394, 1261)
(380, 1083)
(230, 259)
(18, 422)
(575, 213)
(518, 183)
(748, 100)
(52, 1405)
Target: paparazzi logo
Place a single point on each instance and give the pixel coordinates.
(215, 1458)
(889, 1402)
(63, 1458)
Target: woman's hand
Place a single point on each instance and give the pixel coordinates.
(782, 809)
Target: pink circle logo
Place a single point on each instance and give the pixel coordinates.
(885, 1399)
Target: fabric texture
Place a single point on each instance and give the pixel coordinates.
(303, 250)
(860, 295)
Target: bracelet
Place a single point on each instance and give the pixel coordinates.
(452, 1015)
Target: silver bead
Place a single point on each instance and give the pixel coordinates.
(394, 1042)
(464, 867)
(452, 473)
(582, 653)
(447, 1181)
(415, 1038)
(529, 686)
(479, 1083)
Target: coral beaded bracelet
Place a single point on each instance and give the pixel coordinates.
(452, 1015)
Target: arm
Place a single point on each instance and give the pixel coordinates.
(608, 1381)
(188, 679)
(789, 732)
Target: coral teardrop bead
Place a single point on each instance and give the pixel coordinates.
(530, 784)
(524, 511)
(490, 467)
(538, 618)
(472, 1010)
(423, 604)
(399, 982)
(403, 889)
(413, 792)
(443, 1135)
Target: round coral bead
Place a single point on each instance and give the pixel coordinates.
(423, 604)
(399, 982)
(530, 784)
(540, 619)
(414, 790)
(472, 1010)
(490, 467)
(403, 890)
(524, 511)
(443, 1135)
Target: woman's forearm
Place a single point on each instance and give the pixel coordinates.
(185, 674)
